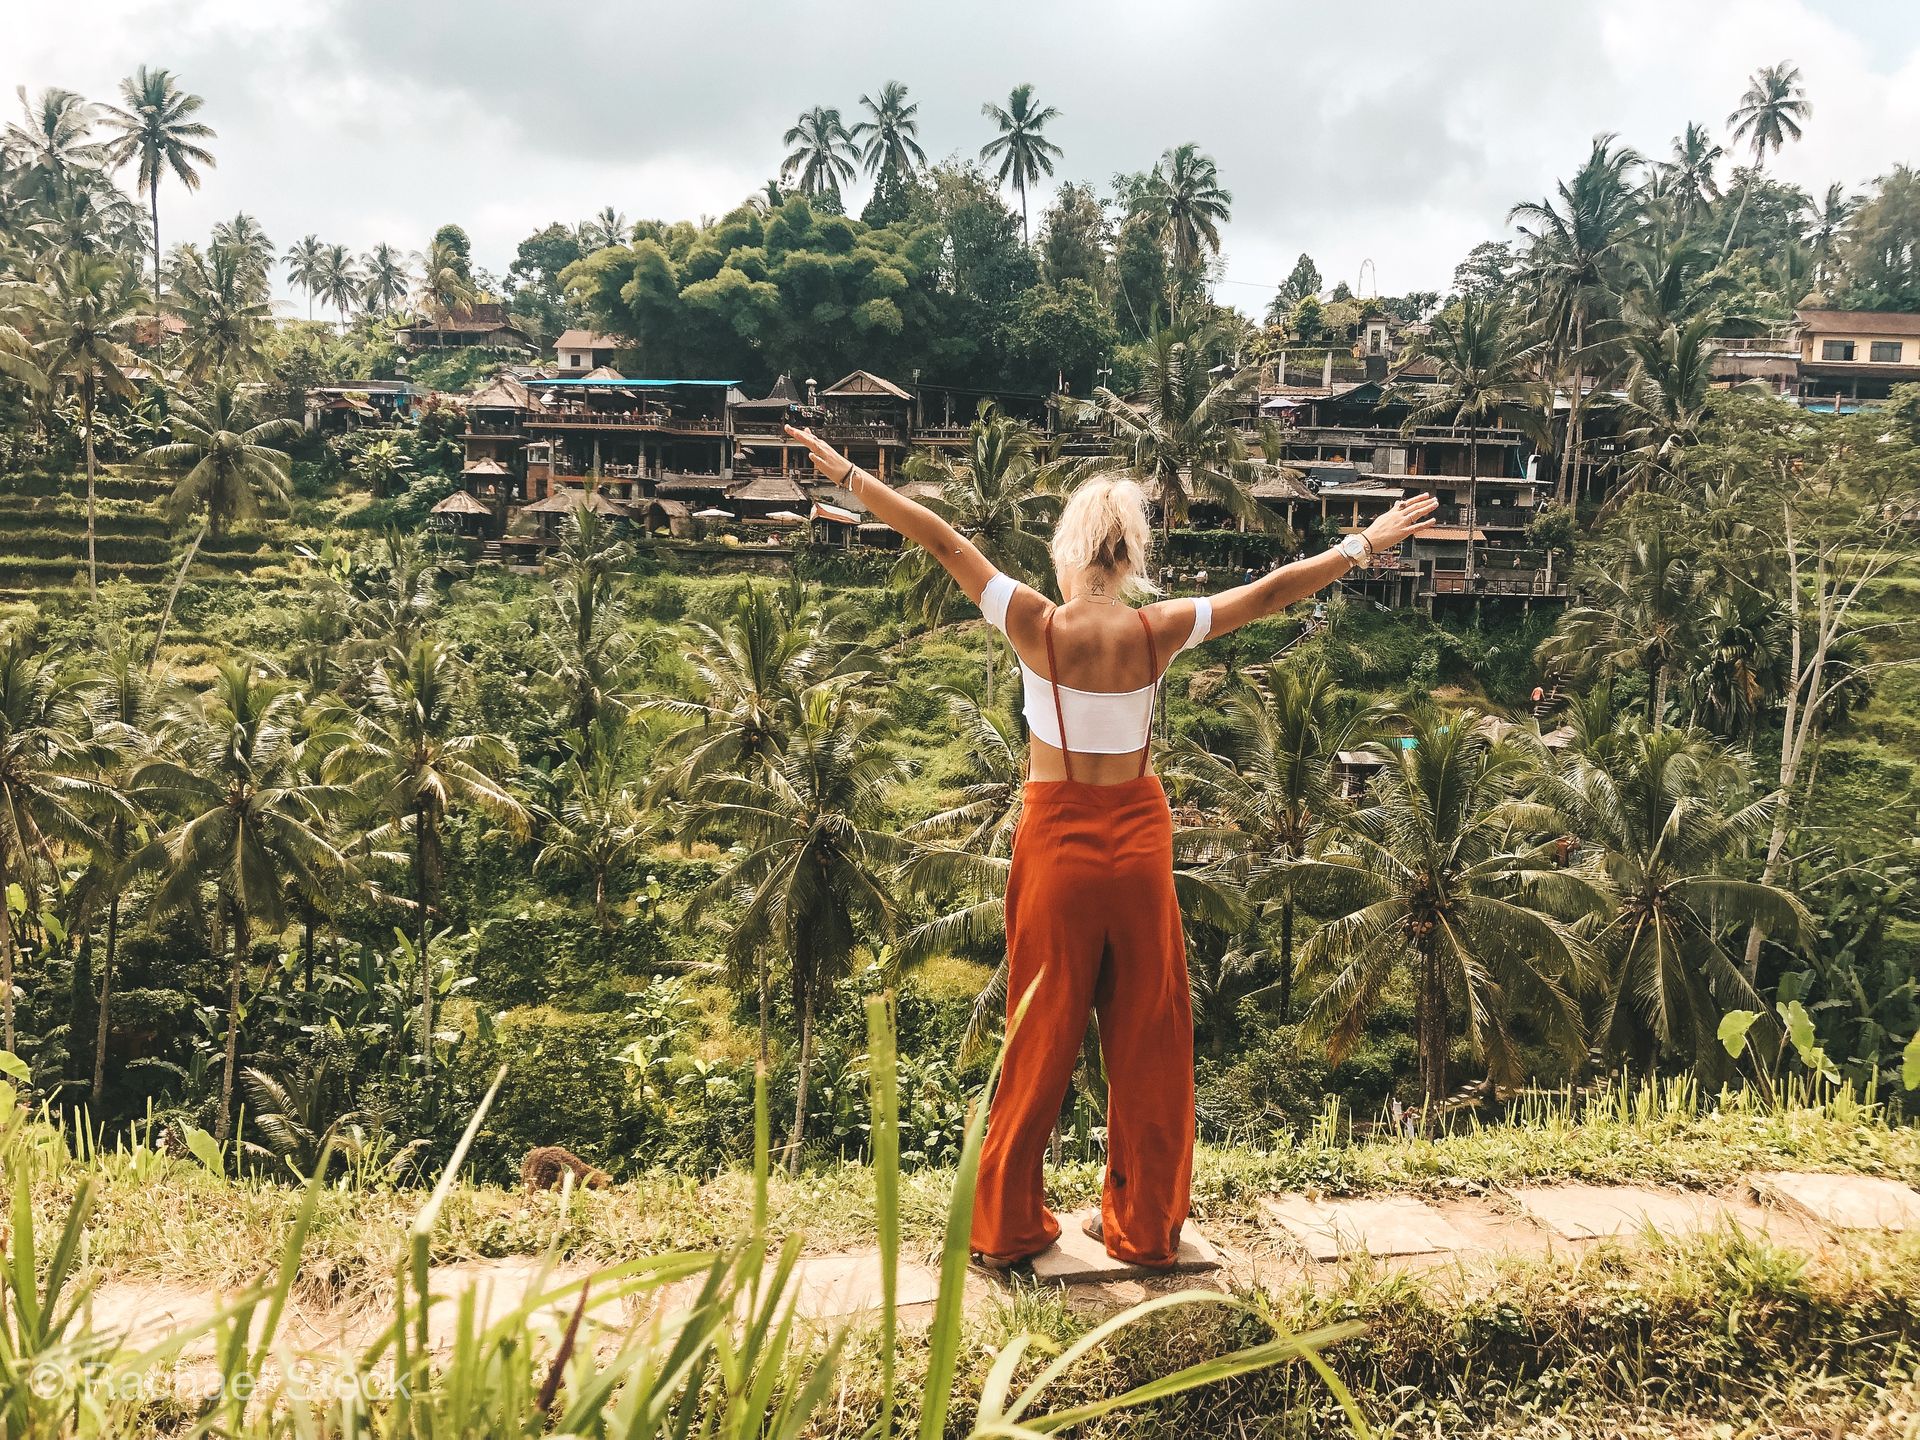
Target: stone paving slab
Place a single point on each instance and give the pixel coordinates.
(1378, 1226)
(830, 1285)
(1592, 1212)
(1845, 1202)
(1078, 1259)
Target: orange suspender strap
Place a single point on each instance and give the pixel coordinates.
(1053, 683)
(1153, 679)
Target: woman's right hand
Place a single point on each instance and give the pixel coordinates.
(831, 464)
(1405, 517)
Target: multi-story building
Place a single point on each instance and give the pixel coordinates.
(1850, 358)
(578, 351)
(1359, 456)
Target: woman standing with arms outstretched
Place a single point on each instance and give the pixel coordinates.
(1092, 923)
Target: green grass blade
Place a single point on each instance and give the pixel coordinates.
(943, 1338)
(1207, 1372)
(762, 1149)
(884, 1076)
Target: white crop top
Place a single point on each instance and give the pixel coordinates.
(1101, 722)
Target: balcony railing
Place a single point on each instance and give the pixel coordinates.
(598, 419)
(1534, 583)
(1373, 435)
(884, 434)
(943, 434)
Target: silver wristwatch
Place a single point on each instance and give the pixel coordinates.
(1355, 548)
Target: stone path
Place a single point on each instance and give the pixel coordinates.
(1801, 1209)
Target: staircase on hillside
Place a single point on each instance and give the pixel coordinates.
(1547, 703)
(490, 553)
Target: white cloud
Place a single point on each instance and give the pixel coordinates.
(1400, 131)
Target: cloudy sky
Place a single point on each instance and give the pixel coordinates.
(1399, 131)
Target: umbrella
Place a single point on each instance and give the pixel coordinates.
(713, 512)
(787, 517)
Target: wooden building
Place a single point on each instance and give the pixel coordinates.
(869, 420)
(486, 323)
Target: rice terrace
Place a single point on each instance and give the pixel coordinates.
(1127, 721)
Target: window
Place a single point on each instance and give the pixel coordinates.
(1836, 349)
(575, 360)
(1884, 352)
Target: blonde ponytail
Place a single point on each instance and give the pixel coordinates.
(1104, 527)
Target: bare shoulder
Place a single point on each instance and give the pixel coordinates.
(1026, 608)
(1172, 618)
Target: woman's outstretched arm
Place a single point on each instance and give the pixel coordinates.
(1272, 593)
(957, 555)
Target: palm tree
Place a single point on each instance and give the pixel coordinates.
(1435, 877)
(52, 140)
(248, 821)
(1692, 174)
(1022, 148)
(231, 465)
(21, 303)
(303, 262)
(222, 299)
(445, 287)
(1487, 363)
(92, 303)
(813, 868)
(1184, 192)
(1668, 387)
(1578, 240)
(1830, 221)
(887, 138)
(1269, 787)
(591, 652)
(121, 709)
(385, 280)
(1660, 815)
(339, 280)
(1644, 616)
(990, 493)
(821, 152)
(753, 670)
(248, 239)
(1180, 439)
(415, 764)
(47, 795)
(1768, 116)
(600, 827)
(157, 132)
(605, 230)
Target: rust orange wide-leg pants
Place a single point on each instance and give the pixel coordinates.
(1091, 915)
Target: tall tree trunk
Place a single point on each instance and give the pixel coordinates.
(798, 1138)
(1658, 700)
(6, 953)
(1286, 961)
(93, 563)
(173, 591)
(153, 211)
(1740, 210)
(236, 973)
(1432, 1026)
(422, 897)
(1473, 494)
(106, 994)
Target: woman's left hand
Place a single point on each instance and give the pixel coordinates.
(828, 461)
